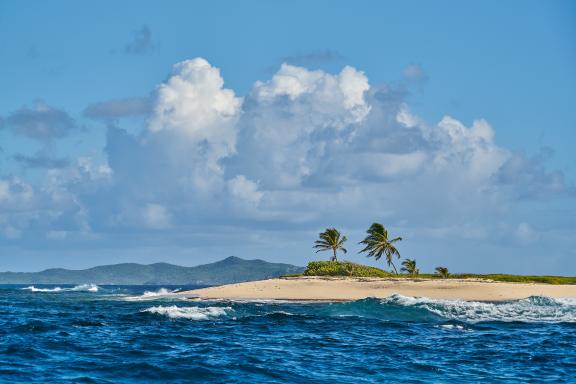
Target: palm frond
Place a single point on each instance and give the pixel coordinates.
(330, 239)
(376, 243)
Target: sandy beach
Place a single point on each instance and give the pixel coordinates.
(343, 289)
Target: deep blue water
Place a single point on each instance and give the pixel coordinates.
(121, 335)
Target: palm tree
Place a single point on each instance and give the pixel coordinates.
(443, 272)
(331, 239)
(409, 266)
(377, 243)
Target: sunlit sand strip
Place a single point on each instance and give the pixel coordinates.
(343, 289)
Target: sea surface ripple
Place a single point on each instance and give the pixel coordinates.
(118, 334)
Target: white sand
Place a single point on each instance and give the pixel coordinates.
(337, 289)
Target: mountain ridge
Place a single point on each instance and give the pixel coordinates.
(229, 270)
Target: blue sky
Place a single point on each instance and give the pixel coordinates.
(190, 131)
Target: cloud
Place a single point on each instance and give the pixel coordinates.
(141, 42)
(41, 122)
(527, 177)
(40, 161)
(117, 109)
(415, 72)
(302, 150)
(14, 193)
(289, 123)
(17, 199)
(177, 161)
(313, 57)
(193, 106)
(245, 190)
(302, 146)
(525, 234)
(156, 216)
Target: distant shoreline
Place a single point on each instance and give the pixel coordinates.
(353, 288)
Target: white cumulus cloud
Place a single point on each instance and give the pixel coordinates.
(194, 103)
(303, 149)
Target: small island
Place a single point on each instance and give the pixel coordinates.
(343, 280)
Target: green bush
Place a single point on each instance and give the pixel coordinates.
(291, 275)
(343, 268)
(346, 268)
(556, 280)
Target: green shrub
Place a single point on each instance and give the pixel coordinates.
(343, 268)
(556, 280)
(291, 275)
(346, 268)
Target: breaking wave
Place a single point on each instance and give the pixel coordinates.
(89, 337)
(34, 289)
(77, 288)
(161, 293)
(86, 288)
(397, 307)
(192, 313)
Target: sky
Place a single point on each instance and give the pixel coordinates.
(186, 132)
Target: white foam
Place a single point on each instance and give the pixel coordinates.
(567, 301)
(34, 289)
(86, 288)
(192, 313)
(452, 326)
(79, 288)
(532, 309)
(153, 295)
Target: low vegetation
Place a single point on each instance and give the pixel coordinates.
(377, 244)
(519, 278)
(346, 268)
(343, 268)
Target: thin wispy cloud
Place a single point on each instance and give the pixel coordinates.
(415, 72)
(117, 109)
(40, 122)
(313, 57)
(40, 161)
(141, 42)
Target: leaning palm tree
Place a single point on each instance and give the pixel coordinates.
(409, 266)
(377, 243)
(331, 239)
(443, 272)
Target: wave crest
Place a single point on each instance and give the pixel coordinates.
(86, 288)
(77, 288)
(532, 309)
(153, 295)
(192, 313)
(32, 288)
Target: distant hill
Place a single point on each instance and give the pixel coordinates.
(230, 270)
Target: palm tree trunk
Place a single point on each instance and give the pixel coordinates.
(334, 257)
(393, 266)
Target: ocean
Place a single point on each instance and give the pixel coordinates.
(116, 334)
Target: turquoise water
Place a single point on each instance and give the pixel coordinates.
(112, 334)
